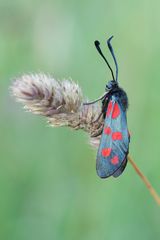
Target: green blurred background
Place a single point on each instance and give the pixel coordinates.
(48, 183)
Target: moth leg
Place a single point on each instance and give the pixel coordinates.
(105, 103)
(92, 102)
(97, 133)
(97, 119)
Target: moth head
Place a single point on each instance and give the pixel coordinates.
(111, 84)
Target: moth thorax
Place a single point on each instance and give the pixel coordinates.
(111, 84)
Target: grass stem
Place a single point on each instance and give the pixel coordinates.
(145, 180)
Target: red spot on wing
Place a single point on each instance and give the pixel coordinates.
(107, 130)
(117, 136)
(115, 160)
(109, 108)
(116, 111)
(106, 152)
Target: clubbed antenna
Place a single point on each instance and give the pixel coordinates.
(112, 53)
(97, 44)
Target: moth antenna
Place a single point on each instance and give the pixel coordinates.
(97, 45)
(113, 55)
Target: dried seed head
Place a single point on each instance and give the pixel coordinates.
(60, 101)
(44, 95)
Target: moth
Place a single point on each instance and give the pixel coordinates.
(114, 144)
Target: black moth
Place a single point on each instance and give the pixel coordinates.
(114, 143)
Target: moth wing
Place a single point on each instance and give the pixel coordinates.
(121, 169)
(114, 143)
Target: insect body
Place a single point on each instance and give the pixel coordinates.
(114, 143)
